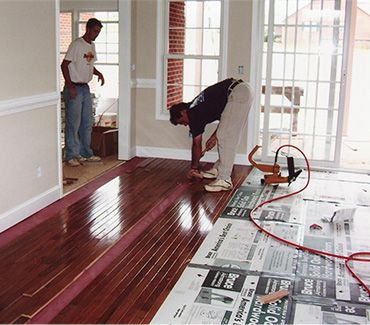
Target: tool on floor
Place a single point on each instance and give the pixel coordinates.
(272, 297)
(357, 256)
(69, 180)
(274, 174)
(341, 215)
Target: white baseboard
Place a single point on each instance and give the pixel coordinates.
(170, 153)
(26, 209)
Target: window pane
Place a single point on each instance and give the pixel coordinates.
(192, 69)
(100, 48)
(110, 88)
(190, 92)
(194, 30)
(112, 28)
(102, 57)
(112, 58)
(193, 41)
(106, 43)
(106, 16)
(211, 42)
(212, 14)
(112, 33)
(112, 48)
(200, 72)
(194, 14)
(209, 72)
(197, 42)
(113, 16)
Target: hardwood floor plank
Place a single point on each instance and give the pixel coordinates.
(124, 301)
(15, 232)
(42, 263)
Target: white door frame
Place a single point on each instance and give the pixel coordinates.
(125, 151)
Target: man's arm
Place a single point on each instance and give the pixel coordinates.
(196, 154)
(211, 142)
(67, 78)
(100, 76)
(196, 151)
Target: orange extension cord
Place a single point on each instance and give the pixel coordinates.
(347, 259)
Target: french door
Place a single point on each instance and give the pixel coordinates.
(303, 77)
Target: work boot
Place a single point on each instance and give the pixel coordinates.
(219, 185)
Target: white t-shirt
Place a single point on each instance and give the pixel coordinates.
(82, 56)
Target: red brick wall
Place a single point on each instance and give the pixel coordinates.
(65, 30)
(65, 20)
(175, 68)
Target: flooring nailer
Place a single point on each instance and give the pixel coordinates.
(273, 175)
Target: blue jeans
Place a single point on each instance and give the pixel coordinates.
(79, 122)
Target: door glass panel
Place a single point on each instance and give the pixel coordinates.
(301, 77)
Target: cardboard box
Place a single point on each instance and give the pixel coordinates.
(104, 141)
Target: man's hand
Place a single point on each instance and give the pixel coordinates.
(194, 173)
(101, 78)
(211, 142)
(72, 92)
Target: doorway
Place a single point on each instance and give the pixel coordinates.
(301, 77)
(73, 18)
(304, 80)
(356, 137)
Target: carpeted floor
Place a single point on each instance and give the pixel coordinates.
(75, 177)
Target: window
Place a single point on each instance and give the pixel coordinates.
(106, 46)
(192, 52)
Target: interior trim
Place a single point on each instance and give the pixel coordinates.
(183, 154)
(23, 104)
(26, 209)
(145, 83)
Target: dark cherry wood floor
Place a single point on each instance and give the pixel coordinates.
(112, 255)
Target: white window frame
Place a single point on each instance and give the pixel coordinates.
(78, 22)
(76, 29)
(162, 37)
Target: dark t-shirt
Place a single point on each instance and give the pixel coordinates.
(208, 106)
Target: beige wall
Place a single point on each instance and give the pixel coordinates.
(29, 132)
(27, 53)
(158, 133)
(28, 106)
(28, 142)
(88, 4)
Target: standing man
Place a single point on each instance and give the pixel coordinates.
(78, 70)
(229, 102)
